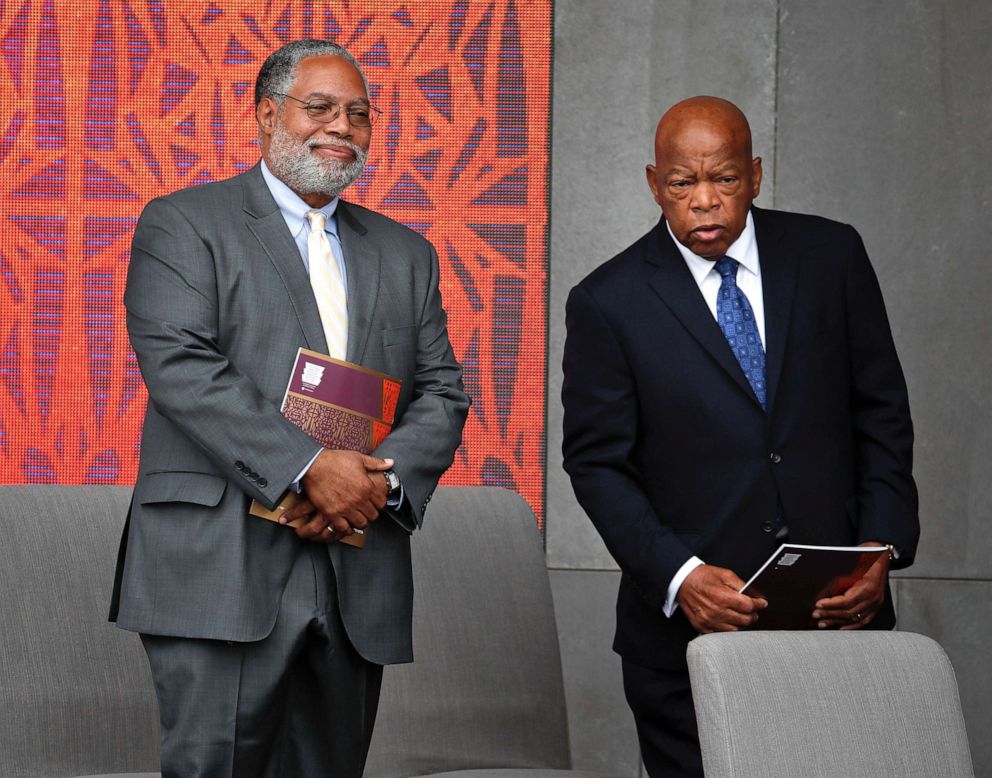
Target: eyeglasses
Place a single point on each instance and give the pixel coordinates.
(326, 111)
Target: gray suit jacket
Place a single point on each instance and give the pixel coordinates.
(218, 301)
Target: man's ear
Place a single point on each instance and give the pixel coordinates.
(755, 177)
(265, 114)
(652, 176)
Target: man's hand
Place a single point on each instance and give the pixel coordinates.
(345, 490)
(859, 604)
(710, 599)
(316, 526)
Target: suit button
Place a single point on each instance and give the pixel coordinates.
(240, 466)
(263, 482)
(775, 458)
(767, 526)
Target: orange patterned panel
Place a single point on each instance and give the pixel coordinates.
(109, 103)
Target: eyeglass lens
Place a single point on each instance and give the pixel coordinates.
(326, 111)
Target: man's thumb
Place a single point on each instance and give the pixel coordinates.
(374, 463)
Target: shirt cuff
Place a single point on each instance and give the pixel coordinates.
(397, 501)
(296, 486)
(671, 604)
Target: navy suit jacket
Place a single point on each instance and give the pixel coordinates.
(670, 453)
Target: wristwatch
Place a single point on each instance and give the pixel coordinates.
(392, 485)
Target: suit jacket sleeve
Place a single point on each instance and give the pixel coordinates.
(176, 326)
(424, 441)
(600, 399)
(887, 507)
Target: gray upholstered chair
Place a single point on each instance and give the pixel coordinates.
(486, 691)
(75, 693)
(484, 698)
(827, 704)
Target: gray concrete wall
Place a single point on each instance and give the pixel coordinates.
(877, 114)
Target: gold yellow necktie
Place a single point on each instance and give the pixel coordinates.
(328, 287)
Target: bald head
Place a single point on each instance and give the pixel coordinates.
(704, 113)
(704, 178)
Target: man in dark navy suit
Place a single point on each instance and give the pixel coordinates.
(730, 382)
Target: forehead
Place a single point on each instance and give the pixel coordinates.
(329, 75)
(695, 140)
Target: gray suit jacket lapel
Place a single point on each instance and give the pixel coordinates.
(361, 257)
(266, 223)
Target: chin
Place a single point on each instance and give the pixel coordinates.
(708, 250)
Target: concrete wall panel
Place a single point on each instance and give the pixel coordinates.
(884, 112)
(956, 615)
(617, 67)
(601, 726)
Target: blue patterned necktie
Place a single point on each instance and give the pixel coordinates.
(736, 319)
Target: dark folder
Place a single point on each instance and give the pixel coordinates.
(795, 577)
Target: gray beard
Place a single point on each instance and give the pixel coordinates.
(296, 166)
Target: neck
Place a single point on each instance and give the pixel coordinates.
(317, 200)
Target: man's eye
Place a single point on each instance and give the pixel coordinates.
(319, 108)
(359, 113)
(728, 180)
(679, 184)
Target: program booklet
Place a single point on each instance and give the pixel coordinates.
(795, 577)
(341, 406)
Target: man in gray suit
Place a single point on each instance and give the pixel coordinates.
(267, 645)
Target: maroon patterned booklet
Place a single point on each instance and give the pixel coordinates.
(796, 576)
(341, 406)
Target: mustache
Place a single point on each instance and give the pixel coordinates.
(341, 143)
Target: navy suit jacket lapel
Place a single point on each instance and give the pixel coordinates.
(779, 269)
(266, 223)
(674, 284)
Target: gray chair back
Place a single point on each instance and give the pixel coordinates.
(824, 704)
(486, 688)
(76, 696)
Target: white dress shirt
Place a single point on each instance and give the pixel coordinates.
(745, 251)
(294, 211)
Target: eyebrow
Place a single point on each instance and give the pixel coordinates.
(336, 99)
(730, 165)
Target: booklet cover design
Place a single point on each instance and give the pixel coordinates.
(796, 576)
(341, 406)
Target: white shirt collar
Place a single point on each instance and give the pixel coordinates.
(291, 205)
(744, 250)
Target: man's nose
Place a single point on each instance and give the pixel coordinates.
(704, 196)
(339, 125)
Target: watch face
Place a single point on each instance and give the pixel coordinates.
(392, 481)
